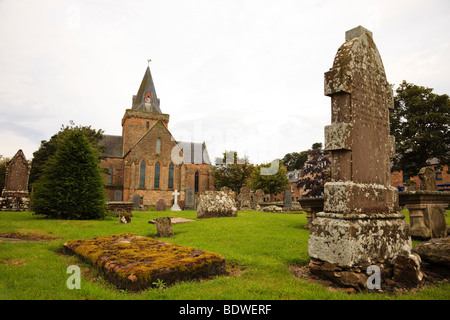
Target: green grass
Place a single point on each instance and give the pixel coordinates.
(263, 244)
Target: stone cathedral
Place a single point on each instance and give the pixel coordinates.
(147, 161)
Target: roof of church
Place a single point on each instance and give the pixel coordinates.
(194, 152)
(147, 87)
(113, 146)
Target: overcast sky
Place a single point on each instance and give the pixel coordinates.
(240, 75)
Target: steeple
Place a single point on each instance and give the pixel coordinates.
(146, 99)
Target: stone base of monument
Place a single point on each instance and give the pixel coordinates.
(355, 239)
(342, 247)
(135, 263)
(399, 272)
(16, 201)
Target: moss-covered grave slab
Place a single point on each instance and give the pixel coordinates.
(133, 262)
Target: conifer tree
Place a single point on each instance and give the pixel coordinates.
(71, 185)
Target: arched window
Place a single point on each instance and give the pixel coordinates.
(158, 146)
(170, 184)
(142, 175)
(157, 173)
(147, 125)
(110, 175)
(196, 181)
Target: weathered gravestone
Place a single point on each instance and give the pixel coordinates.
(160, 205)
(15, 192)
(189, 199)
(361, 223)
(215, 204)
(427, 178)
(136, 202)
(287, 200)
(118, 195)
(258, 199)
(245, 199)
(164, 227)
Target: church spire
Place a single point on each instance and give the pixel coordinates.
(146, 98)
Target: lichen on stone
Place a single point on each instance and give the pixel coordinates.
(134, 262)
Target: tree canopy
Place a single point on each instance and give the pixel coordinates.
(420, 123)
(232, 171)
(71, 184)
(273, 183)
(315, 172)
(48, 148)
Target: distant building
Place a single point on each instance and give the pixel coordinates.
(401, 181)
(146, 160)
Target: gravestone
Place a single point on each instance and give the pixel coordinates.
(215, 204)
(160, 205)
(244, 199)
(118, 195)
(175, 206)
(136, 202)
(427, 178)
(189, 200)
(258, 199)
(15, 192)
(164, 227)
(287, 200)
(361, 223)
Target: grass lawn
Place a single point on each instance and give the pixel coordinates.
(264, 245)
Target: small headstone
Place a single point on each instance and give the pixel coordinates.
(118, 195)
(175, 206)
(160, 205)
(287, 200)
(427, 179)
(189, 200)
(136, 202)
(244, 199)
(164, 227)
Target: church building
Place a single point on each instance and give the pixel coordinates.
(147, 161)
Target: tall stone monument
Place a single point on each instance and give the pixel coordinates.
(361, 223)
(15, 195)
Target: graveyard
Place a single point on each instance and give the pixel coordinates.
(364, 242)
(266, 257)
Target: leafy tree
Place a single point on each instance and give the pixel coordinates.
(3, 163)
(315, 172)
(71, 185)
(48, 148)
(231, 171)
(295, 160)
(273, 183)
(420, 123)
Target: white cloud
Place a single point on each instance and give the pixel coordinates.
(251, 69)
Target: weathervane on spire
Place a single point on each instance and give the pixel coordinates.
(148, 61)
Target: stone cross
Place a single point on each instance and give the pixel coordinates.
(175, 206)
(361, 220)
(176, 194)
